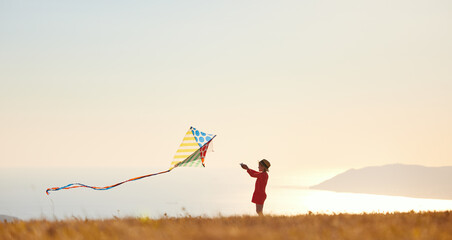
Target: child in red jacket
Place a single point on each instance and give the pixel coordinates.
(259, 194)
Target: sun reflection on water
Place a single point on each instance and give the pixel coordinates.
(300, 201)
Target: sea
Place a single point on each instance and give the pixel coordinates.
(179, 193)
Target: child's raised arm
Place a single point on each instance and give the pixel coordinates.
(253, 173)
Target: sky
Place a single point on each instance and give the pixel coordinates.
(308, 85)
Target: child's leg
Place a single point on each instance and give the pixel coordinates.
(259, 209)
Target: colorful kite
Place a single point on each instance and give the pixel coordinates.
(191, 153)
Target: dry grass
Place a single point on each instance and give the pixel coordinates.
(426, 225)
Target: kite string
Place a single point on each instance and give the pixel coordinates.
(77, 185)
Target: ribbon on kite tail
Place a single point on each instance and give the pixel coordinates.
(77, 185)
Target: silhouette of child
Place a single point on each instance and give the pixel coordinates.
(259, 194)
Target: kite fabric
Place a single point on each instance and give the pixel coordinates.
(191, 153)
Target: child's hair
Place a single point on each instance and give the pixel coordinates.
(266, 164)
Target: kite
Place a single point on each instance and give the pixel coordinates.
(191, 153)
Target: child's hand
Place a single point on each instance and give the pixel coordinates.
(244, 166)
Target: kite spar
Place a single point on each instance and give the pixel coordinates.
(191, 153)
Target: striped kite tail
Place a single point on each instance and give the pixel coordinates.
(77, 185)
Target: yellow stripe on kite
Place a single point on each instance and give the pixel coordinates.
(191, 138)
(186, 150)
(181, 156)
(189, 144)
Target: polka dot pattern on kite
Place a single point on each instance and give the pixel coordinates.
(201, 137)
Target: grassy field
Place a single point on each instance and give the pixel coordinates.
(426, 225)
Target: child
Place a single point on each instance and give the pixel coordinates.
(259, 194)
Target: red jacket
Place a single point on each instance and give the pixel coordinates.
(259, 194)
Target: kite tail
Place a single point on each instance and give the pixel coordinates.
(77, 185)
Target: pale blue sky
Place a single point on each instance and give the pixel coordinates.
(306, 84)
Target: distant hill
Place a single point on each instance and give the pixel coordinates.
(396, 179)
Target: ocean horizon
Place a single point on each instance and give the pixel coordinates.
(182, 192)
